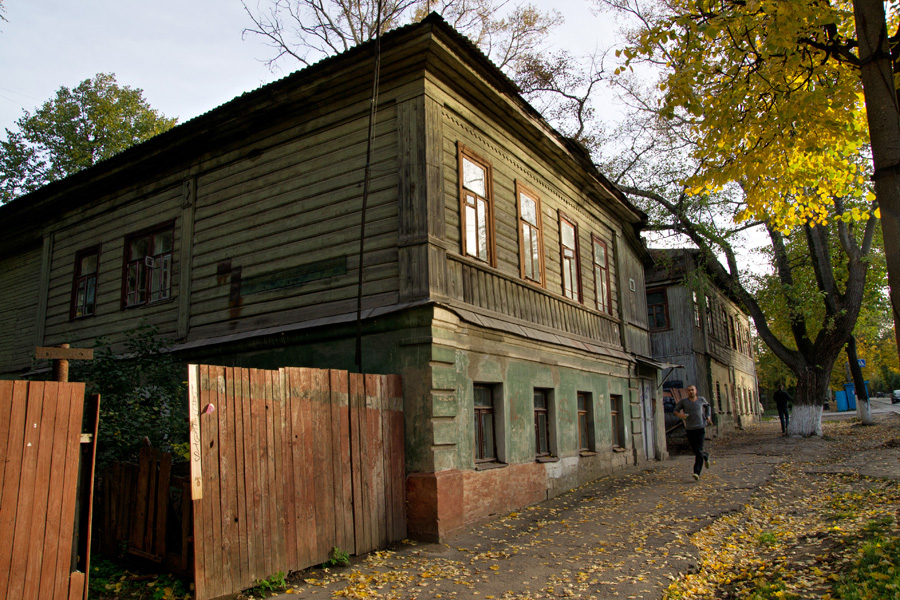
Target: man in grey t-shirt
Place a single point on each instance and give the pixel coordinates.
(696, 413)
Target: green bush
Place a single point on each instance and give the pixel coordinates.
(143, 394)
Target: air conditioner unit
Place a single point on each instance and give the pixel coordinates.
(149, 262)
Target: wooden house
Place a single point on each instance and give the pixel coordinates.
(502, 275)
(696, 324)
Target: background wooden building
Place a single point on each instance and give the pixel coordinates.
(695, 323)
(502, 275)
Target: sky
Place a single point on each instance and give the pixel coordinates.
(188, 56)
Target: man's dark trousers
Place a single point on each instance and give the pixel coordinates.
(696, 438)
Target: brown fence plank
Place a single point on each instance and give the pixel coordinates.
(374, 407)
(6, 395)
(55, 500)
(162, 505)
(398, 457)
(323, 455)
(70, 480)
(211, 508)
(76, 586)
(251, 489)
(276, 403)
(140, 525)
(343, 476)
(11, 462)
(286, 473)
(387, 435)
(234, 390)
(227, 530)
(258, 410)
(24, 515)
(306, 521)
(362, 533)
(42, 489)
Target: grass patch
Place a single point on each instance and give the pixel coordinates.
(875, 575)
(275, 584)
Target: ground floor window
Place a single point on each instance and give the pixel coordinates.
(585, 422)
(485, 439)
(617, 423)
(541, 423)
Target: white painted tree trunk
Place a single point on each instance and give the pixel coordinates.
(806, 421)
(864, 412)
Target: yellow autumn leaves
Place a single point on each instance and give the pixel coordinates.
(769, 99)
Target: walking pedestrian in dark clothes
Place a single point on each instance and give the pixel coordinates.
(782, 400)
(696, 413)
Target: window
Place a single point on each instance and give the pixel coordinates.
(476, 206)
(601, 275)
(710, 318)
(84, 286)
(531, 243)
(485, 441)
(696, 309)
(617, 423)
(541, 423)
(657, 309)
(148, 266)
(734, 343)
(568, 241)
(719, 396)
(585, 422)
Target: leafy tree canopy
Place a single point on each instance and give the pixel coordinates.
(76, 129)
(771, 96)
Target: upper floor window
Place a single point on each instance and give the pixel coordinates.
(148, 266)
(84, 286)
(531, 243)
(657, 309)
(710, 318)
(476, 206)
(601, 275)
(696, 309)
(485, 440)
(568, 242)
(734, 342)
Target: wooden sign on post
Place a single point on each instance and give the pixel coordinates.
(61, 355)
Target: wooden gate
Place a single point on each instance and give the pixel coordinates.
(44, 541)
(286, 465)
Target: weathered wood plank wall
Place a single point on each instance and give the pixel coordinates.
(40, 456)
(20, 277)
(289, 464)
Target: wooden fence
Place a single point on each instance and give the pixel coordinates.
(44, 539)
(147, 508)
(286, 465)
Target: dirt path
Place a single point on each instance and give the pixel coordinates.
(631, 534)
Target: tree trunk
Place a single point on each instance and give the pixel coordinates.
(863, 408)
(883, 115)
(812, 388)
